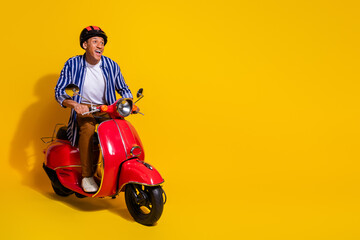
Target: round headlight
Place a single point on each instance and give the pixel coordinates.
(124, 107)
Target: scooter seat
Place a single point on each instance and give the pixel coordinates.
(61, 134)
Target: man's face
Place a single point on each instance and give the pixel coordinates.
(94, 48)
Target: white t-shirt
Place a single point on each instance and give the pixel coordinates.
(94, 85)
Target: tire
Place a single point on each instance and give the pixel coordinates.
(61, 191)
(144, 203)
(79, 195)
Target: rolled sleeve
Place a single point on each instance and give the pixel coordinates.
(60, 99)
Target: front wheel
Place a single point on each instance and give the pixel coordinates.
(144, 203)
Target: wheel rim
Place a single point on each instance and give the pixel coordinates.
(141, 201)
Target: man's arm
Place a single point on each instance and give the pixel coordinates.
(64, 80)
(121, 86)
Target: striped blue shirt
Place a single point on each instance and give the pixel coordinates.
(74, 73)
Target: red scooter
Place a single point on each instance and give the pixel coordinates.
(120, 167)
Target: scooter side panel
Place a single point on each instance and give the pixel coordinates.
(137, 171)
(71, 177)
(61, 154)
(65, 160)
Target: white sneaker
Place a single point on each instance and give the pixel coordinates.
(89, 185)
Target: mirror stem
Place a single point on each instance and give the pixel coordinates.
(139, 99)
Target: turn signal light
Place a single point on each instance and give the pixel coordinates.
(104, 108)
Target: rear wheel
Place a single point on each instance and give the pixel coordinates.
(61, 191)
(144, 203)
(79, 195)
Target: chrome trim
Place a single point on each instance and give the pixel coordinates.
(102, 171)
(101, 155)
(133, 148)
(122, 139)
(146, 164)
(67, 166)
(128, 100)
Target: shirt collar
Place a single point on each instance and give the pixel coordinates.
(103, 63)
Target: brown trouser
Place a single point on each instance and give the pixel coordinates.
(87, 125)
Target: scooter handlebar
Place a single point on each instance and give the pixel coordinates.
(109, 109)
(92, 110)
(123, 110)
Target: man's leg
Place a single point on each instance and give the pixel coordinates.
(86, 132)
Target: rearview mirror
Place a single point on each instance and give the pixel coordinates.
(139, 93)
(72, 90)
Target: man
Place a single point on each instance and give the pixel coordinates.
(98, 77)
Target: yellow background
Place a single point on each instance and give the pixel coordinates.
(251, 116)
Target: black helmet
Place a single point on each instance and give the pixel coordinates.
(91, 31)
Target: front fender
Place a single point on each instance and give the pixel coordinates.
(136, 171)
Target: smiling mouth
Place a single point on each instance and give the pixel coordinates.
(98, 51)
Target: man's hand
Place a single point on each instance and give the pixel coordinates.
(79, 108)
